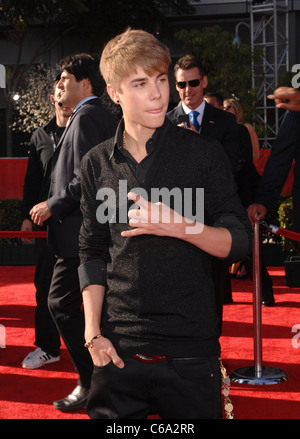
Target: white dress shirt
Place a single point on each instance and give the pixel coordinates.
(200, 110)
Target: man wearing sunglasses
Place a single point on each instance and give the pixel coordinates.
(191, 81)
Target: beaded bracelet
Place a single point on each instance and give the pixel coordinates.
(89, 344)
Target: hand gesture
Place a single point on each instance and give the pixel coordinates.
(287, 98)
(155, 219)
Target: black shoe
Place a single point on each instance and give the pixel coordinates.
(268, 302)
(75, 401)
(241, 276)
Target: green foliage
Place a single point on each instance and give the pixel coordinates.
(285, 79)
(285, 217)
(33, 108)
(95, 20)
(22, 14)
(228, 66)
(98, 20)
(10, 214)
(103, 20)
(10, 217)
(282, 217)
(267, 236)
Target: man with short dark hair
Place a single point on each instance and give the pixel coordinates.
(214, 99)
(89, 125)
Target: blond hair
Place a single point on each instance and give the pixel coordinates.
(134, 48)
(238, 109)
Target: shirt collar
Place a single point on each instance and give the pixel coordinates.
(83, 102)
(118, 140)
(200, 109)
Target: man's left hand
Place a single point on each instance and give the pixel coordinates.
(40, 213)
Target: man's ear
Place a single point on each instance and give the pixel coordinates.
(205, 81)
(113, 94)
(87, 84)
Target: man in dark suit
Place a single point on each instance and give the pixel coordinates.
(90, 124)
(191, 81)
(285, 149)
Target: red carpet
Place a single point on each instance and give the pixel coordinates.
(26, 394)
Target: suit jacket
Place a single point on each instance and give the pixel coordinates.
(90, 125)
(219, 125)
(285, 149)
(37, 178)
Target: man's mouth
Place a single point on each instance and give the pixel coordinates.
(156, 110)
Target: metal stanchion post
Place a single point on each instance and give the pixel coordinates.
(257, 294)
(257, 374)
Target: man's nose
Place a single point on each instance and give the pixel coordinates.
(155, 92)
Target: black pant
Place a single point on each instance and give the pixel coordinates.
(46, 333)
(173, 389)
(220, 275)
(266, 279)
(65, 304)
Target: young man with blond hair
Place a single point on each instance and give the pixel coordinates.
(151, 326)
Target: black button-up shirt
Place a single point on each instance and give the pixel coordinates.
(140, 169)
(93, 271)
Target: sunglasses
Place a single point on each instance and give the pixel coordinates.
(227, 107)
(192, 83)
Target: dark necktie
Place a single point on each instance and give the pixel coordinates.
(193, 118)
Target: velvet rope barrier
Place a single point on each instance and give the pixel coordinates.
(282, 232)
(19, 234)
(257, 374)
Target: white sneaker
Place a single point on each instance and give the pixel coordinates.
(38, 358)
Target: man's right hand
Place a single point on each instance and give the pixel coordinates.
(27, 226)
(287, 98)
(103, 352)
(256, 212)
